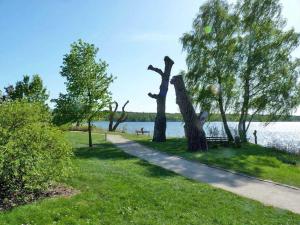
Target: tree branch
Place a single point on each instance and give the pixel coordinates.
(122, 118)
(123, 108)
(157, 70)
(153, 95)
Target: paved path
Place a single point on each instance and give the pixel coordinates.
(265, 192)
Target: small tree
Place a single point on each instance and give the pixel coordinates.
(87, 82)
(122, 118)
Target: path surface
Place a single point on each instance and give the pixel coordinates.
(264, 192)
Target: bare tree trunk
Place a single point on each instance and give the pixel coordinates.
(160, 120)
(193, 127)
(222, 109)
(244, 112)
(122, 118)
(112, 115)
(90, 133)
(224, 119)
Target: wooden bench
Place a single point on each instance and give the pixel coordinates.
(142, 132)
(217, 140)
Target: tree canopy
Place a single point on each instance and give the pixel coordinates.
(32, 90)
(87, 83)
(239, 61)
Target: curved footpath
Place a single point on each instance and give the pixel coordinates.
(267, 193)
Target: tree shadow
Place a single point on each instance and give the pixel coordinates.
(107, 151)
(103, 151)
(155, 171)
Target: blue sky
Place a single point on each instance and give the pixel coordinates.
(131, 34)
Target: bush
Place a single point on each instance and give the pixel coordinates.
(33, 153)
(14, 115)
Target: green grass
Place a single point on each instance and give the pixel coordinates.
(251, 159)
(116, 188)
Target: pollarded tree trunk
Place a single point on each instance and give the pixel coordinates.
(123, 117)
(160, 120)
(193, 126)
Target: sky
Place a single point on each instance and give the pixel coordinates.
(131, 34)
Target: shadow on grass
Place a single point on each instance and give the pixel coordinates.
(103, 151)
(155, 171)
(235, 160)
(107, 151)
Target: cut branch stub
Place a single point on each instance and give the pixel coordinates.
(160, 120)
(159, 71)
(153, 95)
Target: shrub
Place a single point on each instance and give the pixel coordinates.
(33, 153)
(14, 115)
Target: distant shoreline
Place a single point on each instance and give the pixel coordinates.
(176, 117)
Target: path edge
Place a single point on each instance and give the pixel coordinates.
(214, 167)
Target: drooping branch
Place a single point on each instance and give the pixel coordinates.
(160, 120)
(123, 117)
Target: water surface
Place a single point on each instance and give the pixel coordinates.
(285, 134)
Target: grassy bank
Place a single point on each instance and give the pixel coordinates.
(118, 189)
(251, 159)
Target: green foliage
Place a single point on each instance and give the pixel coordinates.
(68, 109)
(211, 59)
(244, 64)
(32, 90)
(267, 70)
(211, 73)
(32, 152)
(34, 156)
(87, 85)
(87, 78)
(17, 114)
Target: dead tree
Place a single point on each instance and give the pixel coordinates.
(160, 120)
(193, 124)
(123, 117)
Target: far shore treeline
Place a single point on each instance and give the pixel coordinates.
(176, 117)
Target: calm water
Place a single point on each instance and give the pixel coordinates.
(282, 134)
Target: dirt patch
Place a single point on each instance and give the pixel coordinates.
(58, 190)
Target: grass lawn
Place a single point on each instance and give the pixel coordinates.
(251, 159)
(116, 188)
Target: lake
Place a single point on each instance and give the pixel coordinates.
(285, 135)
